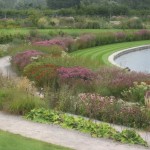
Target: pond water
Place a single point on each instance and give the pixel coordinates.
(137, 61)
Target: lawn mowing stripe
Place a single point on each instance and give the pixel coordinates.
(101, 53)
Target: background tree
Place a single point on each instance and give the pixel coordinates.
(58, 4)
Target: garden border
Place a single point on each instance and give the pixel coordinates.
(117, 54)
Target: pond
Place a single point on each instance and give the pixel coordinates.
(137, 61)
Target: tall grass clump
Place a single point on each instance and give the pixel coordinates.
(18, 96)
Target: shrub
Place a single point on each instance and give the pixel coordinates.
(50, 42)
(91, 104)
(92, 25)
(43, 23)
(22, 59)
(6, 38)
(76, 73)
(18, 96)
(65, 42)
(136, 93)
(120, 36)
(116, 80)
(42, 74)
(62, 100)
(133, 23)
(85, 41)
(110, 110)
(142, 34)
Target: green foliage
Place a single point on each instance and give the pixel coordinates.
(68, 61)
(18, 102)
(62, 4)
(43, 22)
(133, 23)
(7, 38)
(17, 96)
(129, 136)
(84, 125)
(63, 100)
(43, 74)
(136, 93)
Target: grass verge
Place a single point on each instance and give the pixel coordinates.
(10, 141)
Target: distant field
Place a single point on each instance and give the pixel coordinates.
(68, 31)
(101, 53)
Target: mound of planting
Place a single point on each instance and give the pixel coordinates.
(64, 79)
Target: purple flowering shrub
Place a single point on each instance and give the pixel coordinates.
(91, 40)
(79, 79)
(116, 80)
(111, 110)
(142, 34)
(120, 36)
(93, 103)
(75, 73)
(85, 41)
(64, 42)
(22, 59)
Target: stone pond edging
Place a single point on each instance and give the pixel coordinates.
(117, 54)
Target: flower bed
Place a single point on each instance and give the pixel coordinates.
(22, 59)
(42, 74)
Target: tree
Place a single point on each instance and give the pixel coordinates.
(26, 4)
(5, 5)
(58, 4)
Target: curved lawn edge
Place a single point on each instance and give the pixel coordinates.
(117, 54)
(101, 53)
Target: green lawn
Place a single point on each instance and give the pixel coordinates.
(10, 141)
(69, 31)
(101, 53)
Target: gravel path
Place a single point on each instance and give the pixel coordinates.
(57, 135)
(5, 67)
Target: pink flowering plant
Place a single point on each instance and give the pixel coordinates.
(112, 110)
(50, 42)
(22, 59)
(64, 42)
(85, 41)
(93, 103)
(75, 73)
(115, 80)
(120, 36)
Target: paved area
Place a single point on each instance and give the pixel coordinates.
(5, 67)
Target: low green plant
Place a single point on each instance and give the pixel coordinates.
(136, 93)
(129, 136)
(78, 123)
